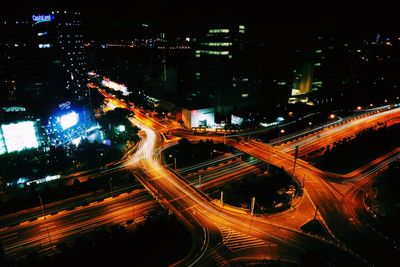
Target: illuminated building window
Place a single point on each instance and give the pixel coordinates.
(317, 64)
(242, 27)
(209, 52)
(217, 44)
(218, 31)
(245, 95)
(318, 51)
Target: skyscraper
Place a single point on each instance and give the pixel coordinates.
(44, 60)
(220, 69)
(47, 52)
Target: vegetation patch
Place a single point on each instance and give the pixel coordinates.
(273, 191)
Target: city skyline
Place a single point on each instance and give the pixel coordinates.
(297, 19)
(212, 133)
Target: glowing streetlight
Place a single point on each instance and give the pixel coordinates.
(174, 160)
(44, 216)
(332, 116)
(111, 192)
(282, 131)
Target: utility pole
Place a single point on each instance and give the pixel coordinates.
(222, 198)
(296, 152)
(47, 227)
(111, 192)
(269, 158)
(199, 180)
(304, 179)
(174, 163)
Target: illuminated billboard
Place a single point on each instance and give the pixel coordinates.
(235, 120)
(19, 136)
(68, 120)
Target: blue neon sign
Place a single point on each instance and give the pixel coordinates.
(42, 18)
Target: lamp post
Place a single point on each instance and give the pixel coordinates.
(111, 191)
(281, 132)
(199, 180)
(47, 227)
(253, 201)
(174, 161)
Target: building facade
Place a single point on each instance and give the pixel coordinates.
(222, 69)
(47, 54)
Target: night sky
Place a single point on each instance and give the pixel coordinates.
(119, 19)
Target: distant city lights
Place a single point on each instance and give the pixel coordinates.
(115, 86)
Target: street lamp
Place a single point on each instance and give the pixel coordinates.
(111, 192)
(332, 116)
(47, 227)
(282, 131)
(174, 161)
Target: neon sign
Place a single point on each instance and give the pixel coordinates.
(42, 18)
(65, 105)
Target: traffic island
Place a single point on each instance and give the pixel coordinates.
(273, 191)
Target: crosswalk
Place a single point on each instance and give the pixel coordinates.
(221, 262)
(235, 241)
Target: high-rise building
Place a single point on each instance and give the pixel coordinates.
(221, 69)
(311, 72)
(7, 79)
(48, 56)
(44, 77)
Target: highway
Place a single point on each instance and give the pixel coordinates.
(344, 228)
(194, 208)
(64, 226)
(328, 136)
(222, 236)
